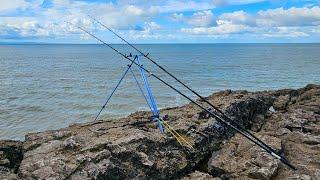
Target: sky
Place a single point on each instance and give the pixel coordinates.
(161, 21)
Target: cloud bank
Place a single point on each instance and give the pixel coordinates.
(280, 22)
(168, 21)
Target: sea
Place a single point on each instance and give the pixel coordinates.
(51, 86)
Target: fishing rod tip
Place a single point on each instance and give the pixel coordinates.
(286, 162)
(292, 167)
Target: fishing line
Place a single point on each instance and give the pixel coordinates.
(253, 139)
(113, 91)
(186, 86)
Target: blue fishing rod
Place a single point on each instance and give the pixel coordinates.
(153, 107)
(230, 124)
(155, 111)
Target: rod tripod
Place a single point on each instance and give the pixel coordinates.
(150, 100)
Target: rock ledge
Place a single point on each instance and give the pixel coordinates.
(131, 148)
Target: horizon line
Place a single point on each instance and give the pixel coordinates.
(48, 43)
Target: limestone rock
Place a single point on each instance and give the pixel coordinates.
(199, 176)
(238, 157)
(293, 131)
(129, 148)
(282, 102)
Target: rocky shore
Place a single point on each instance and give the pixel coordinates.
(131, 148)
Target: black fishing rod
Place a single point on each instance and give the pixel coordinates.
(269, 150)
(183, 84)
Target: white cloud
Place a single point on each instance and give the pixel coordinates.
(289, 32)
(28, 27)
(147, 32)
(288, 23)
(202, 19)
(169, 6)
(222, 28)
(220, 2)
(139, 17)
(234, 2)
(197, 19)
(239, 2)
(290, 17)
(20, 5)
(177, 17)
(276, 17)
(134, 10)
(61, 3)
(7, 6)
(154, 26)
(316, 30)
(50, 21)
(238, 17)
(178, 6)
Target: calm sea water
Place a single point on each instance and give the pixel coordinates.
(52, 86)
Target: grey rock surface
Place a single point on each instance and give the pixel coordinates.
(133, 148)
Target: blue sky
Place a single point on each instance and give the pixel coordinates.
(157, 21)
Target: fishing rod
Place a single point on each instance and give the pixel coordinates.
(269, 150)
(183, 84)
